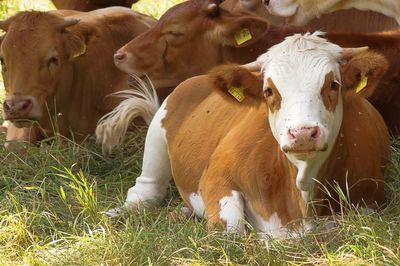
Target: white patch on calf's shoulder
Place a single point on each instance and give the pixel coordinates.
(232, 211)
(197, 203)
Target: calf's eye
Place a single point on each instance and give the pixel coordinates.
(335, 85)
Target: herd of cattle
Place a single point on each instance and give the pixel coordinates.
(259, 119)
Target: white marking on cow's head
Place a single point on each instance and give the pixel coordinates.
(302, 90)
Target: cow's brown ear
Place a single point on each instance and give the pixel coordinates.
(75, 47)
(236, 83)
(242, 31)
(363, 72)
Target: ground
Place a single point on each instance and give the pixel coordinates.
(53, 202)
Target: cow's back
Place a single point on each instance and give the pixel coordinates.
(353, 20)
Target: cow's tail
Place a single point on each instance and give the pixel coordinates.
(141, 101)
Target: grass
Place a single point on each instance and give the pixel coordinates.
(53, 203)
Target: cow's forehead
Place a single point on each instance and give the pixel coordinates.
(301, 60)
(31, 29)
(184, 9)
(301, 72)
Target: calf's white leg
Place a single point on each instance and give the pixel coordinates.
(152, 184)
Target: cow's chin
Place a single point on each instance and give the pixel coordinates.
(304, 153)
(23, 122)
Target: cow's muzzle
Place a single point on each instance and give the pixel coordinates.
(17, 108)
(306, 139)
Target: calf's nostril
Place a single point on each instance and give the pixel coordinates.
(315, 132)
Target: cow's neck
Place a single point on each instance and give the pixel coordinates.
(307, 174)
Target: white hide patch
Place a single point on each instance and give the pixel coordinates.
(273, 226)
(197, 203)
(232, 212)
(283, 8)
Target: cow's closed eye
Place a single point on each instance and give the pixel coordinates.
(175, 33)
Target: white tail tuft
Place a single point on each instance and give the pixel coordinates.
(142, 101)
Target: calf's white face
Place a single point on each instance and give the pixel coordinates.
(302, 90)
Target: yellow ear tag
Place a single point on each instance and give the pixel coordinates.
(82, 51)
(363, 83)
(238, 93)
(243, 36)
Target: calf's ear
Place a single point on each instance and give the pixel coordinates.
(236, 83)
(241, 31)
(362, 72)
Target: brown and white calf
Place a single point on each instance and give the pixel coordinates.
(300, 12)
(192, 37)
(58, 69)
(237, 144)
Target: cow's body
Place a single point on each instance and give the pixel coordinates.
(61, 77)
(188, 41)
(88, 5)
(227, 161)
(301, 12)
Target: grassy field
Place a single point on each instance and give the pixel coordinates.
(53, 203)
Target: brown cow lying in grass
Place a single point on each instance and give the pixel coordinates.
(193, 37)
(58, 70)
(235, 144)
(88, 5)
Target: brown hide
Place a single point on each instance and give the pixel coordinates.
(69, 71)
(235, 150)
(88, 5)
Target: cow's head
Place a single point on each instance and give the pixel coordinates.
(187, 41)
(304, 80)
(36, 55)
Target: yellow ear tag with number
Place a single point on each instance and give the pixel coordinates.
(363, 83)
(81, 51)
(238, 93)
(243, 36)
